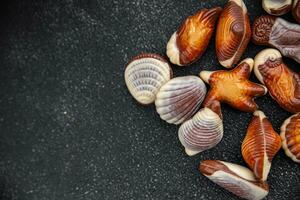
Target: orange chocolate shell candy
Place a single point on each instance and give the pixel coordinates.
(290, 135)
(233, 33)
(283, 84)
(233, 88)
(260, 145)
(191, 40)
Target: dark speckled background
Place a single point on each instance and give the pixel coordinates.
(69, 128)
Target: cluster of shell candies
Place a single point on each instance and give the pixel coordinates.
(149, 79)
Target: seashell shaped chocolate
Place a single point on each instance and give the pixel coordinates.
(145, 74)
(296, 10)
(279, 33)
(277, 7)
(191, 40)
(202, 132)
(180, 98)
(260, 145)
(290, 135)
(233, 33)
(235, 178)
(283, 84)
(233, 88)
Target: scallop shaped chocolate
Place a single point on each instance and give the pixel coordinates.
(202, 132)
(277, 7)
(145, 74)
(296, 10)
(180, 98)
(235, 178)
(290, 135)
(279, 33)
(260, 145)
(283, 84)
(233, 33)
(189, 43)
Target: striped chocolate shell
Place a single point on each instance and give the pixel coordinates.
(191, 40)
(202, 132)
(235, 178)
(260, 145)
(233, 33)
(283, 84)
(180, 98)
(277, 7)
(296, 10)
(145, 74)
(290, 135)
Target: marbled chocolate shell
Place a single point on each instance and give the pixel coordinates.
(202, 132)
(290, 135)
(260, 145)
(279, 33)
(180, 98)
(296, 10)
(235, 178)
(189, 43)
(283, 84)
(277, 7)
(233, 33)
(145, 74)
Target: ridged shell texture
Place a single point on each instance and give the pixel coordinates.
(144, 76)
(260, 145)
(233, 33)
(290, 135)
(235, 178)
(202, 132)
(180, 98)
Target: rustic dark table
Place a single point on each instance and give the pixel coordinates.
(69, 129)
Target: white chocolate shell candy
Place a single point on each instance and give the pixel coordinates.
(145, 74)
(290, 135)
(277, 7)
(202, 132)
(180, 98)
(235, 178)
(260, 145)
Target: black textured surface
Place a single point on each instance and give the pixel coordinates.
(69, 128)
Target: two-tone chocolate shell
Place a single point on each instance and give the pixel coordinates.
(277, 7)
(191, 40)
(233, 33)
(290, 135)
(202, 132)
(145, 74)
(283, 84)
(180, 98)
(296, 10)
(279, 33)
(235, 178)
(260, 145)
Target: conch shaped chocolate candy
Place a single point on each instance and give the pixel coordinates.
(233, 33)
(191, 40)
(277, 7)
(278, 33)
(296, 10)
(260, 145)
(282, 83)
(202, 132)
(235, 178)
(290, 135)
(233, 87)
(180, 98)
